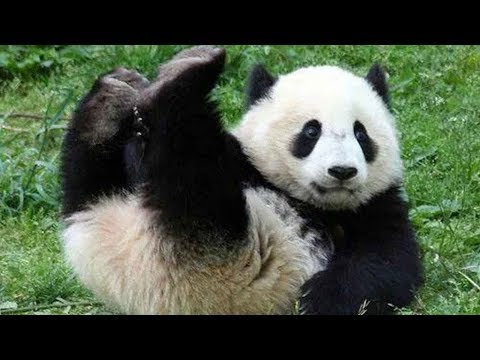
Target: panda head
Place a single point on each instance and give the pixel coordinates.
(322, 134)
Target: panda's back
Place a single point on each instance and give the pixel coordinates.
(118, 249)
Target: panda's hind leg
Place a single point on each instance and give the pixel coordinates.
(93, 161)
(102, 112)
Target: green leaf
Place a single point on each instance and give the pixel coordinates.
(451, 205)
(4, 59)
(428, 154)
(427, 210)
(8, 305)
(47, 63)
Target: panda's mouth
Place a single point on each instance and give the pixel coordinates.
(334, 189)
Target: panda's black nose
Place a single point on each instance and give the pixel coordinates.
(342, 172)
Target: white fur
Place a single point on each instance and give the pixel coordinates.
(119, 251)
(336, 98)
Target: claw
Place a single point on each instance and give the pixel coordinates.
(139, 128)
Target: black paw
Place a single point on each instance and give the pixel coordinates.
(323, 294)
(100, 115)
(130, 77)
(197, 56)
(192, 72)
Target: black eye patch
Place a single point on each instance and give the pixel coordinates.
(368, 146)
(305, 141)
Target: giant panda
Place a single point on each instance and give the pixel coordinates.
(297, 209)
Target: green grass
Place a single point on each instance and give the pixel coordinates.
(436, 100)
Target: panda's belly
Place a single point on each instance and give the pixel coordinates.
(119, 253)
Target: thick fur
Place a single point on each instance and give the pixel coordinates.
(169, 213)
(93, 150)
(191, 145)
(377, 78)
(376, 259)
(259, 84)
(200, 230)
(122, 252)
(269, 128)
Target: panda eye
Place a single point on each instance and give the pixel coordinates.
(304, 141)
(360, 132)
(311, 132)
(312, 129)
(360, 135)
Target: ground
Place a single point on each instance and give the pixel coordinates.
(435, 92)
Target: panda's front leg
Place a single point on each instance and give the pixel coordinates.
(190, 169)
(93, 148)
(378, 271)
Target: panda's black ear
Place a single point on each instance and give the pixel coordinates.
(378, 79)
(259, 84)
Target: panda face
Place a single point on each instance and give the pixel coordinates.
(325, 136)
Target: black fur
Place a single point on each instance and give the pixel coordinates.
(369, 147)
(376, 259)
(259, 84)
(377, 78)
(194, 172)
(90, 170)
(190, 168)
(133, 153)
(303, 145)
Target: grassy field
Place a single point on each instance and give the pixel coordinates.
(436, 99)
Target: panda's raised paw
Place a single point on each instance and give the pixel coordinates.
(130, 77)
(200, 53)
(193, 71)
(195, 57)
(100, 114)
